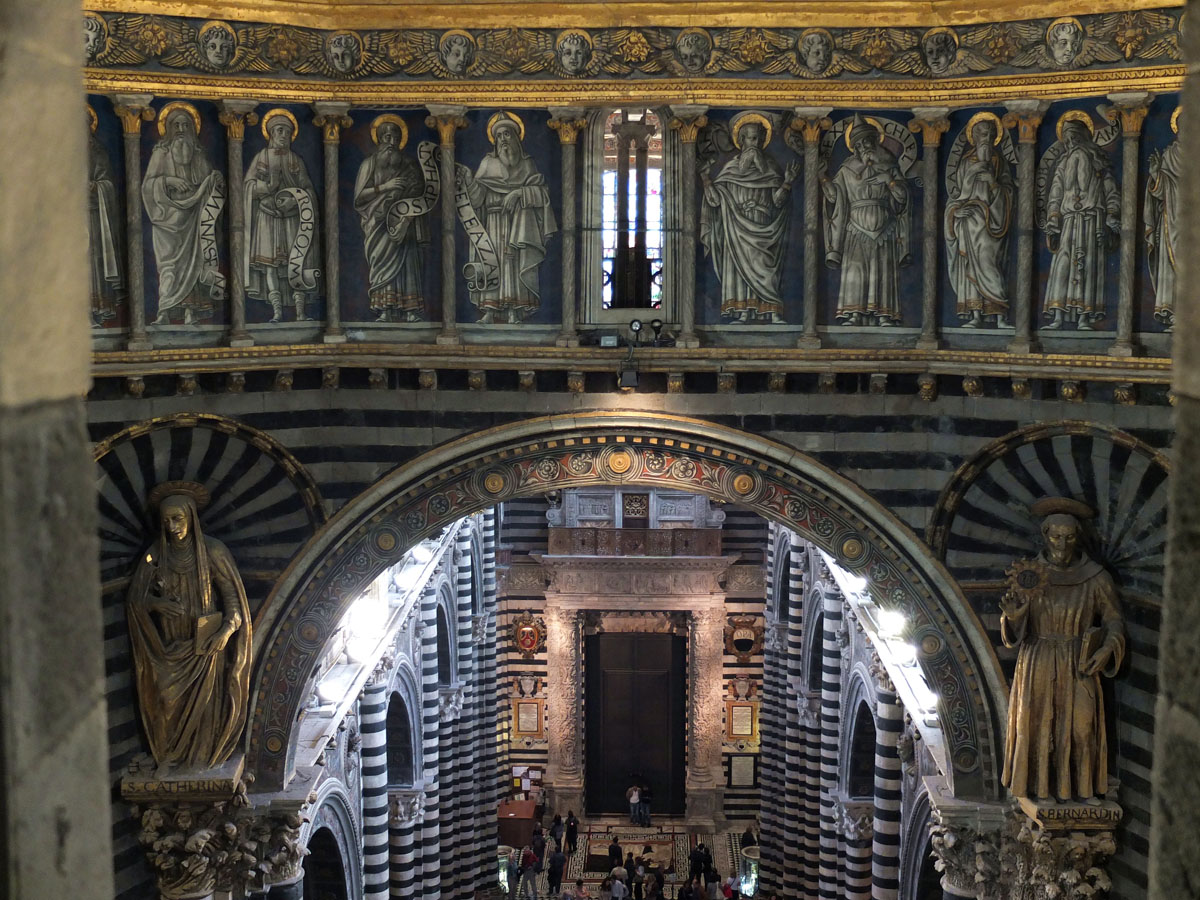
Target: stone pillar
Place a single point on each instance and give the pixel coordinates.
(1175, 815)
(1130, 110)
(831, 703)
(706, 647)
(855, 820)
(776, 829)
(973, 844)
(55, 806)
(885, 846)
(568, 122)
(564, 770)
(931, 123)
(235, 116)
(405, 811)
(430, 855)
(810, 122)
(454, 794)
(134, 109)
(1025, 116)
(372, 721)
(688, 120)
(447, 119)
(331, 118)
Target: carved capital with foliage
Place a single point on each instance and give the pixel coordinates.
(132, 117)
(689, 127)
(331, 126)
(568, 129)
(446, 126)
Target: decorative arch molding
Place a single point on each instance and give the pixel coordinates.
(332, 812)
(645, 449)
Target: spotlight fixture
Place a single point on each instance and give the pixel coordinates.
(656, 326)
(627, 378)
(635, 326)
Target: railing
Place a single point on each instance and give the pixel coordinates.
(635, 542)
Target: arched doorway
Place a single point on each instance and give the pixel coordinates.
(324, 872)
(955, 661)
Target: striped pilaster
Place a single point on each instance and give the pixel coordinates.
(404, 820)
(430, 855)
(774, 832)
(858, 867)
(885, 848)
(795, 773)
(492, 766)
(831, 699)
(372, 717)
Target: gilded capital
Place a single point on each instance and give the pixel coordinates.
(689, 128)
(931, 130)
(810, 127)
(446, 127)
(568, 129)
(235, 123)
(1130, 117)
(132, 117)
(331, 126)
(1026, 125)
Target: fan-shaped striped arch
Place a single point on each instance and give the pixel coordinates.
(982, 520)
(264, 503)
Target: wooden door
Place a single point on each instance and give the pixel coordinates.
(635, 710)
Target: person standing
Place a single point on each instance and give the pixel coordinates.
(696, 862)
(634, 796)
(556, 830)
(529, 869)
(620, 891)
(646, 796)
(615, 856)
(513, 872)
(572, 832)
(555, 864)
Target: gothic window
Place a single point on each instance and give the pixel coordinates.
(632, 210)
(444, 662)
(861, 775)
(628, 217)
(816, 646)
(399, 743)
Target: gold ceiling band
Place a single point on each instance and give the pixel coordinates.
(759, 92)
(638, 13)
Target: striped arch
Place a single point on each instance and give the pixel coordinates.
(632, 448)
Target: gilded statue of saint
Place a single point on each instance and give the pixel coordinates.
(1062, 612)
(189, 626)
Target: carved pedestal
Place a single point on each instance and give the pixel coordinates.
(1068, 847)
(201, 835)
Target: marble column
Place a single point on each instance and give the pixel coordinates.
(885, 842)
(332, 117)
(1130, 110)
(55, 786)
(1025, 116)
(856, 828)
(372, 718)
(235, 116)
(688, 120)
(430, 853)
(406, 809)
(568, 122)
(706, 648)
(447, 119)
(564, 649)
(1175, 815)
(134, 109)
(931, 123)
(810, 122)
(831, 702)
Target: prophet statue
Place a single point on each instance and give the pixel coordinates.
(743, 223)
(104, 232)
(979, 208)
(1162, 225)
(183, 195)
(508, 218)
(281, 221)
(867, 229)
(1083, 223)
(1062, 613)
(189, 627)
(390, 197)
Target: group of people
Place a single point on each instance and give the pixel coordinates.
(524, 866)
(639, 877)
